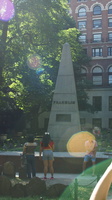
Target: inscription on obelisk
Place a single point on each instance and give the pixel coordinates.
(64, 118)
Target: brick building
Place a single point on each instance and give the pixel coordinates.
(94, 20)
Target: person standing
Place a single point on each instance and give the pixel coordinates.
(91, 147)
(47, 147)
(29, 150)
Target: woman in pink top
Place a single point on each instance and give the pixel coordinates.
(47, 147)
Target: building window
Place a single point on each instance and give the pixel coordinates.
(110, 75)
(110, 36)
(97, 38)
(110, 9)
(97, 75)
(97, 10)
(82, 25)
(97, 23)
(110, 22)
(82, 12)
(96, 52)
(82, 38)
(97, 103)
(110, 123)
(109, 51)
(110, 103)
(97, 122)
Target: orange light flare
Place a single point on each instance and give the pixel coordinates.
(76, 144)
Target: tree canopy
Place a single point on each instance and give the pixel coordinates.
(38, 28)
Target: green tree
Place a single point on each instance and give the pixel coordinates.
(39, 27)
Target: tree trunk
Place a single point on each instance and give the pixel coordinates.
(3, 49)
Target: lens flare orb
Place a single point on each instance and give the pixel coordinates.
(76, 143)
(34, 62)
(39, 71)
(7, 10)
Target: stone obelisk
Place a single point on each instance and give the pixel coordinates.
(64, 118)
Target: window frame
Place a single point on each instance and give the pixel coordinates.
(97, 39)
(97, 103)
(97, 11)
(80, 13)
(110, 23)
(109, 51)
(97, 54)
(98, 25)
(110, 75)
(83, 39)
(110, 36)
(110, 123)
(110, 103)
(97, 76)
(82, 26)
(110, 9)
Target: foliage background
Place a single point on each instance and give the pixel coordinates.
(38, 28)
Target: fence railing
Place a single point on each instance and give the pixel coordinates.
(77, 185)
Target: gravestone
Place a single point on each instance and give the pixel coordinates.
(9, 169)
(64, 118)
